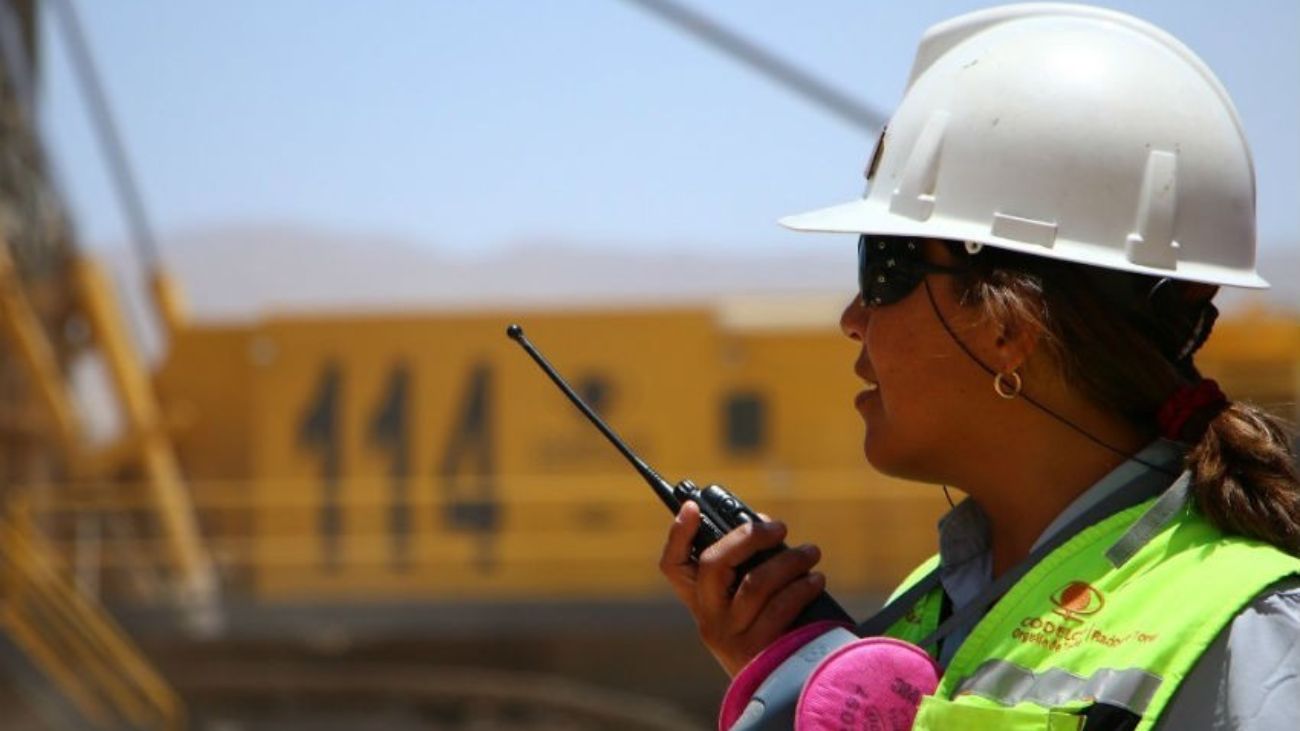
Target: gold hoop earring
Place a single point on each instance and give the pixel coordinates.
(1003, 389)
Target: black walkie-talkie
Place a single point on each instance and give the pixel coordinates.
(720, 511)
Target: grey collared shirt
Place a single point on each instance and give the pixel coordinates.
(1249, 678)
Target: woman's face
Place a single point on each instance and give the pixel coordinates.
(923, 395)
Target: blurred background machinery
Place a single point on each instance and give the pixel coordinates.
(392, 520)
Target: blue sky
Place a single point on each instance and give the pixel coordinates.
(473, 126)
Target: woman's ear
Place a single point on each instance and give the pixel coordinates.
(1016, 342)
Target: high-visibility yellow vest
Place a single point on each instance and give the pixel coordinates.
(1078, 630)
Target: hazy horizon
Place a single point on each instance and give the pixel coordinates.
(240, 272)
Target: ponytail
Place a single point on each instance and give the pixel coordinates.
(1244, 476)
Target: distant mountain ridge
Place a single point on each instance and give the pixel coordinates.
(247, 272)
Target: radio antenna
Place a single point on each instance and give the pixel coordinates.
(662, 487)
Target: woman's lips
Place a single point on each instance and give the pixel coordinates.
(871, 388)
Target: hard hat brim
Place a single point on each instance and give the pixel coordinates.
(866, 216)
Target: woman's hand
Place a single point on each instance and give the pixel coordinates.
(736, 628)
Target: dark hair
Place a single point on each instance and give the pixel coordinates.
(1127, 341)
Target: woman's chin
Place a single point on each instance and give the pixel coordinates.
(891, 462)
(878, 456)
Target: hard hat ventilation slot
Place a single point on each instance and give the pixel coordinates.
(870, 173)
(1027, 230)
(914, 196)
(1152, 244)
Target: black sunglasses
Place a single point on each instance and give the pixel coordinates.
(890, 267)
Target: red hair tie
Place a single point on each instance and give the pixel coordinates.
(1202, 399)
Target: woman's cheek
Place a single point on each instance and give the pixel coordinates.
(889, 425)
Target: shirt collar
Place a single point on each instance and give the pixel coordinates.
(963, 533)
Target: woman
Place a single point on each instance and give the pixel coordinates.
(1054, 203)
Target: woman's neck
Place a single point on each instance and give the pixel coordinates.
(1039, 478)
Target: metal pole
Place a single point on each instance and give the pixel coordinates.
(102, 117)
(767, 63)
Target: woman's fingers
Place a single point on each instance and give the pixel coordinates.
(675, 562)
(677, 549)
(718, 563)
(785, 605)
(767, 579)
(767, 599)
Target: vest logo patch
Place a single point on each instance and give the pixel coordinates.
(1078, 600)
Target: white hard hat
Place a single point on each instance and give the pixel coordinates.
(1069, 132)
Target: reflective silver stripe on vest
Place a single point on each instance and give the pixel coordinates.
(1007, 683)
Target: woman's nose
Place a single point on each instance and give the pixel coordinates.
(853, 321)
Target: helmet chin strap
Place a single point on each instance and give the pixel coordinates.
(934, 305)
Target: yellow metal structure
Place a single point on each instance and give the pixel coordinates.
(146, 446)
(24, 330)
(64, 633)
(57, 307)
(73, 640)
